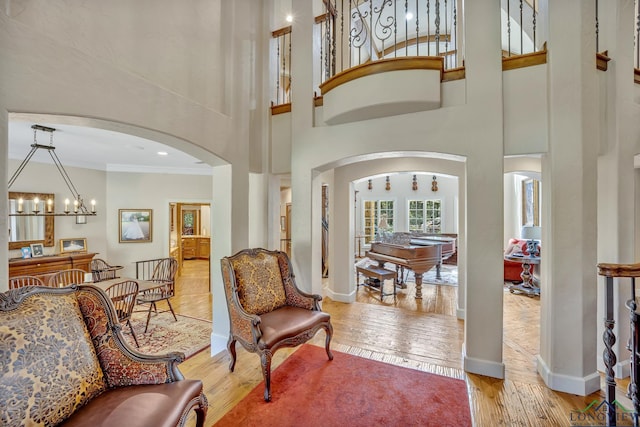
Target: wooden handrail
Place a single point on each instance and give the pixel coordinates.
(619, 270)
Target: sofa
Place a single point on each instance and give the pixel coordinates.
(64, 361)
(512, 269)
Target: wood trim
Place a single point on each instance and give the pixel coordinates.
(382, 66)
(321, 18)
(281, 32)
(318, 101)
(636, 75)
(526, 60)
(279, 109)
(454, 74)
(602, 59)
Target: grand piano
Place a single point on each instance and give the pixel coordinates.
(418, 253)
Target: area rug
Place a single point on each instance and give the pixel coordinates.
(308, 389)
(188, 335)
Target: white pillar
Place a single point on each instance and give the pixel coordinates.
(567, 360)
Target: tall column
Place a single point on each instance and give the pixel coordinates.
(305, 262)
(4, 202)
(567, 359)
(484, 191)
(616, 173)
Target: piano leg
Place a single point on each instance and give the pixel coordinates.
(418, 285)
(438, 266)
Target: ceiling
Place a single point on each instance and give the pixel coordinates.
(100, 149)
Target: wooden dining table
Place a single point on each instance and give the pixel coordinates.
(143, 285)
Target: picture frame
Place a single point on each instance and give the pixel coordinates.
(135, 225)
(78, 244)
(26, 252)
(530, 202)
(37, 250)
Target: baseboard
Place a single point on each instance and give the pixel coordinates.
(482, 367)
(348, 298)
(218, 344)
(621, 370)
(461, 313)
(581, 386)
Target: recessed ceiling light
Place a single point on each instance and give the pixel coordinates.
(162, 153)
(289, 18)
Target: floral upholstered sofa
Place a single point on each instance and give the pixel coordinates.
(513, 269)
(63, 360)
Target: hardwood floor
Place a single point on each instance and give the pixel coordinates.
(422, 335)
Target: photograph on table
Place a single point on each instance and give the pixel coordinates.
(37, 250)
(73, 245)
(135, 225)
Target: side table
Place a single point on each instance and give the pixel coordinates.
(528, 286)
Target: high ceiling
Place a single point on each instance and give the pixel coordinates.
(94, 148)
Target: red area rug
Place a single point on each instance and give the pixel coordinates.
(308, 389)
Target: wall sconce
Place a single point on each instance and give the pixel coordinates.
(370, 185)
(387, 186)
(434, 184)
(414, 185)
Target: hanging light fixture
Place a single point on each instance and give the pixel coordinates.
(387, 186)
(370, 185)
(79, 208)
(414, 185)
(434, 184)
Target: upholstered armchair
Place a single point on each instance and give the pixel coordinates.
(267, 311)
(64, 360)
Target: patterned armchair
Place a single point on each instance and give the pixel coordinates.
(267, 311)
(79, 370)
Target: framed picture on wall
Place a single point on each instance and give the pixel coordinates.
(135, 225)
(530, 205)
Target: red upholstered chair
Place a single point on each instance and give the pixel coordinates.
(267, 311)
(513, 269)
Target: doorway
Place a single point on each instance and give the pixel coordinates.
(190, 244)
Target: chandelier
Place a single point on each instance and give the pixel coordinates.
(46, 207)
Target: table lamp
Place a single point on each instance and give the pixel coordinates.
(532, 235)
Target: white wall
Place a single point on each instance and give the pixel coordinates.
(148, 191)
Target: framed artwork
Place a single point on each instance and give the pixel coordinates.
(73, 245)
(530, 205)
(37, 250)
(135, 225)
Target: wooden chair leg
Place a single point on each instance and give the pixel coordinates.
(151, 307)
(265, 359)
(329, 333)
(133, 333)
(231, 347)
(172, 312)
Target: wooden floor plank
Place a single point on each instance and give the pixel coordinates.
(422, 335)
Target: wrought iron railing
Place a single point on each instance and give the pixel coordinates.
(519, 27)
(621, 271)
(281, 48)
(355, 32)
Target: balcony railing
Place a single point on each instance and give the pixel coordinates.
(354, 32)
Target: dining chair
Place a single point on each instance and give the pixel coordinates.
(123, 295)
(72, 276)
(102, 270)
(21, 281)
(163, 273)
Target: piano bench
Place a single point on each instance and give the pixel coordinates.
(379, 273)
